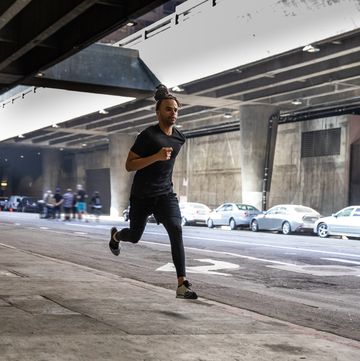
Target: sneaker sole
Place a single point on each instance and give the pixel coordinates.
(114, 251)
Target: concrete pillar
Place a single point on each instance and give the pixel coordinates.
(253, 140)
(51, 165)
(79, 170)
(120, 178)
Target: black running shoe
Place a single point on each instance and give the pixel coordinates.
(185, 291)
(113, 245)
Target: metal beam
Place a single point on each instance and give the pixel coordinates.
(101, 69)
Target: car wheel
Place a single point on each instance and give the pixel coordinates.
(184, 221)
(286, 228)
(254, 226)
(232, 224)
(210, 223)
(322, 230)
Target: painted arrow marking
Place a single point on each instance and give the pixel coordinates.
(207, 269)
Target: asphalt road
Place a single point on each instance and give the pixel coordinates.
(302, 279)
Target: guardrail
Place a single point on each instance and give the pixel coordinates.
(183, 12)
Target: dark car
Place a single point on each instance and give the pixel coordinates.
(28, 204)
(3, 203)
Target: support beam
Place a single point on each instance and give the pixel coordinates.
(101, 69)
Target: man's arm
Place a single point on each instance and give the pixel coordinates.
(135, 162)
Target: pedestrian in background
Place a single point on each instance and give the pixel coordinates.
(68, 199)
(81, 197)
(58, 200)
(96, 205)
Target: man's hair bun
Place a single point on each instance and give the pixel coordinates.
(161, 92)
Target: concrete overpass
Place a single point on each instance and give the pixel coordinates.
(297, 59)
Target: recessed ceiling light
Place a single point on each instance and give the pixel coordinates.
(177, 89)
(311, 48)
(296, 102)
(130, 23)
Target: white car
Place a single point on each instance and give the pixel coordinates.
(193, 213)
(232, 214)
(286, 218)
(346, 222)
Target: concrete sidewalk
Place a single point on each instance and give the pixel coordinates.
(54, 310)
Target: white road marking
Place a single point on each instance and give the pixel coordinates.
(341, 260)
(207, 269)
(321, 271)
(225, 253)
(265, 245)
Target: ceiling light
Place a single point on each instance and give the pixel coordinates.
(40, 74)
(296, 102)
(103, 111)
(84, 145)
(177, 89)
(131, 23)
(227, 115)
(311, 49)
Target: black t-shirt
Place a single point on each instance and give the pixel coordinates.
(155, 179)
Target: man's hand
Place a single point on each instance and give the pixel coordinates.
(165, 153)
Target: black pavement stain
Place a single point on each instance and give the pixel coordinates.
(285, 348)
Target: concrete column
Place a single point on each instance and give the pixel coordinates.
(79, 170)
(120, 178)
(51, 165)
(253, 139)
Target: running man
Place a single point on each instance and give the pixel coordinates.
(153, 157)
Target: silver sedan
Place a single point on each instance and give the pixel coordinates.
(346, 222)
(286, 218)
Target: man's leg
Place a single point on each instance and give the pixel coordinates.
(140, 209)
(168, 213)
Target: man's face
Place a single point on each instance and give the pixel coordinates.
(167, 112)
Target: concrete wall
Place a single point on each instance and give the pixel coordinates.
(208, 169)
(211, 167)
(319, 182)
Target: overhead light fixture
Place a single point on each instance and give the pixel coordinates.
(39, 74)
(296, 102)
(311, 48)
(227, 115)
(131, 23)
(177, 89)
(103, 111)
(84, 145)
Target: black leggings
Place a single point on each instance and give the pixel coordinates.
(166, 211)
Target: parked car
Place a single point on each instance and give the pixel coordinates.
(345, 222)
(3, 203)
(286, 218)
(28, 204)
(126, 215)
(233, 215)
(13, 203)
(194, 213)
